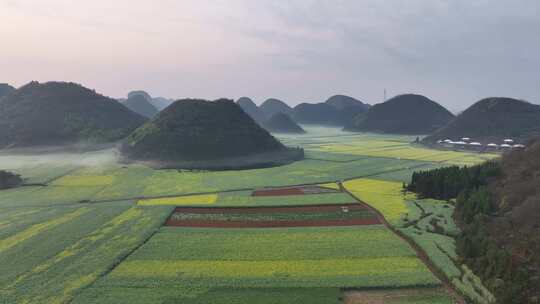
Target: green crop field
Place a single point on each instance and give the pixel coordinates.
(87, 229)
(201, 260)
(55, 252)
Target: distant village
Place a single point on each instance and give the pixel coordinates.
(468, 144)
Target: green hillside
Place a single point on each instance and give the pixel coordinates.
(493, 119)
(192, 133)
(403, 114)
(59, 113)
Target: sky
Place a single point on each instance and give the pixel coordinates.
(454, 52)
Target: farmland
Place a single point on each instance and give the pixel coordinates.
(292, 216)
(267, 258)
(87, 229)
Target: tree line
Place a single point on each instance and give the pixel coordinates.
(447, 183)
(9, 180)
(475, 204)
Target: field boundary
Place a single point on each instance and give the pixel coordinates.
(422, 255)
(371, 219)
(137, 198)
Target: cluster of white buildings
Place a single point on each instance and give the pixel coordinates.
(467, 143)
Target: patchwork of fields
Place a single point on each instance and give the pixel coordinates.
(90, 230)
(213, 259)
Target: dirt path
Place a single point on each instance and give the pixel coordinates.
(422, 255)
(386, 295)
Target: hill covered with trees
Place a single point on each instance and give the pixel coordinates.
(272, 106)
(492, 120)
(141, 105)
(498, 208)
(316, 113)
(159, 103)
(282, 123)
(342, 102)
(251, 109)
(403, 114)
(61, 113)
(338, 110)
(202, 134)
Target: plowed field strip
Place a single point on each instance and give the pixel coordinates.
(291, 209)
(371, 219)
(272, 224)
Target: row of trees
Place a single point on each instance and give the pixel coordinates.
(446, 183)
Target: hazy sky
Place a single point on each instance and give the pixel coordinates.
(454, 51)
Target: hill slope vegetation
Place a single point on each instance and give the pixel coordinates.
(403, 114)
(199, 134)
(493, 119)
(282, 123)
(60, 113)
(498, 208)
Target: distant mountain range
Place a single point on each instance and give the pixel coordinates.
(493, 119)
(60, 113)
(338, 110)
(403, 114)
(196, 131)
(159, 103)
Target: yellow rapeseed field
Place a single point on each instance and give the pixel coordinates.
(24, 235)
(385, 196)
(180, 200)
(246, 269)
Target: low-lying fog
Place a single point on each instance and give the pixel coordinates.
(35, 157)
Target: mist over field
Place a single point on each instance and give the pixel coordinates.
(34, 157)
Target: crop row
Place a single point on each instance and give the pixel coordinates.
(351, 272)
(76, 251)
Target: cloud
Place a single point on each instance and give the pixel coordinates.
(454, 51)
